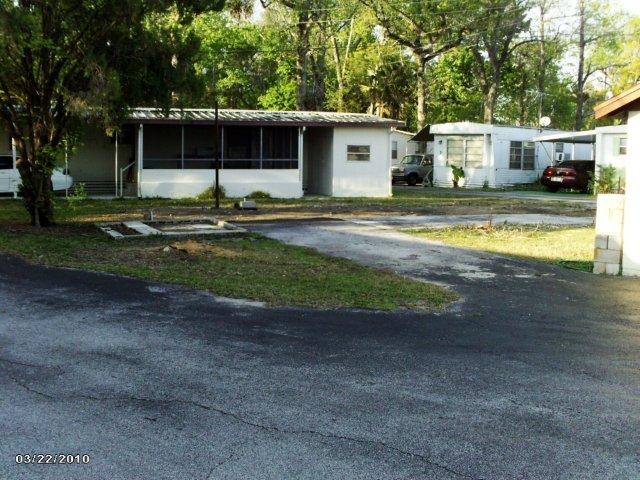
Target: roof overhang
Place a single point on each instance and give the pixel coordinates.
(259, 117)
(423, 135)
(587, 136)
(627, 100)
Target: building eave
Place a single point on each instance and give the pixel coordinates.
(627, 100)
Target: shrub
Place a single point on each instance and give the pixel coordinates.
(77, 195)
(259, 194)
(209, 193)
(458, 173)
(605, 181)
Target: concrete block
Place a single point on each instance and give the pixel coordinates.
(599, 268)
(607, 256)
(612, 268)
(614, 242)
(602, 241)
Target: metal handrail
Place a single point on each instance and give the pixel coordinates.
(122, 170)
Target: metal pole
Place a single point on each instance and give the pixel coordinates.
(216, 152)
(66, 168)
(116, 163)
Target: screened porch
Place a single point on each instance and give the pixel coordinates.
(192, 147)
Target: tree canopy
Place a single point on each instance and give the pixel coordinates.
(68, 59)
(500, 61)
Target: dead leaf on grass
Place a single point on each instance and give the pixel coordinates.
(193, 247)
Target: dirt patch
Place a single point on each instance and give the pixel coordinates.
(193, 247)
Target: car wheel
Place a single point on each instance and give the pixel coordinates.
(412, 179)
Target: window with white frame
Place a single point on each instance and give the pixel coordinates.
(622, 146)
(358, 153)
(522, 155)
(559, 147)
(394, 149)
(465, 152)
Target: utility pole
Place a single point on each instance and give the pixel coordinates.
(216, 149)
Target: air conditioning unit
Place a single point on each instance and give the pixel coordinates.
(563, 157)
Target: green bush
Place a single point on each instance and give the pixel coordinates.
(458, 173)
(606, 180)
(209, 193)
(259, 194)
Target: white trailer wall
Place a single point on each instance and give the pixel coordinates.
(237, 183)
(362, 178)
(608, 148)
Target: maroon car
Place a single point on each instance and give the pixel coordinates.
(568, 174)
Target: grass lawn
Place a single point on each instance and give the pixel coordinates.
(247, 266)
(568, 247)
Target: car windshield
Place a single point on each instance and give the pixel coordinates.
(411, 160)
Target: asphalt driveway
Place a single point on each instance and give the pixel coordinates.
(535, 374)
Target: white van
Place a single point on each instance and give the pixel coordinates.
(10, 178)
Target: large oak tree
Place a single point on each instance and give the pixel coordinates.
(61, 60)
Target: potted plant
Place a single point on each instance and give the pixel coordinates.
(457, 173)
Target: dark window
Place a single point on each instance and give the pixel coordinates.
(359, 153)
(6, 162)
(522, 155)
(394, 149)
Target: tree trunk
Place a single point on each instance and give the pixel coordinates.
(301, 61)
(580, 81)
(421, 85)
(490, 98)
(37, 195)
(542, 61)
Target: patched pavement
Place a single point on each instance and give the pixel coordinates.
(377, 242)
(534, 374)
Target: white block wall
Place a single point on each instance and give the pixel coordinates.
(608, 242)
(631, 229)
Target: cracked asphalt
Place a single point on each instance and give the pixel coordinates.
(534, 374)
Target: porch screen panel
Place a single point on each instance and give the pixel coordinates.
(241, 147)
(280, 147)
(474, 152)
(199, 144)
(455, 151)
(162, 147)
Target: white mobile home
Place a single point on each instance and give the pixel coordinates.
(285, 154)
(611, 148)
(493, 155)
(402, 144)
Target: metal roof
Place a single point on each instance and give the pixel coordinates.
(259, 117)
(585, 136)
